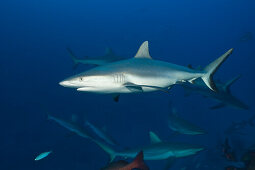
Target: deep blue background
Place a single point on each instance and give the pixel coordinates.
(33, 38)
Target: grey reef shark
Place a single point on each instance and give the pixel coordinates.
(141, 74)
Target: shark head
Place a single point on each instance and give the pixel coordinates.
(91, 81)
(187, 151)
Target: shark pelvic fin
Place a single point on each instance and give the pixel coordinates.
(230, 82)
(143, 51)
(212, 68)
(154, 138)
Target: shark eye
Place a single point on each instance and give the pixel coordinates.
(80, 78)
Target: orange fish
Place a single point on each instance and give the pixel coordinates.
(124, 165)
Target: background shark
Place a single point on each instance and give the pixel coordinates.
(236, 127)
(155, 151)
(108, 57)
(140, 74)
(71, 126)
(182, 126)
(101, 133)
(223, 95)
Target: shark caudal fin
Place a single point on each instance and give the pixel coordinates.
(212, 68)
(227, 85)
(138, 162)
(106, 148)
(74, 58)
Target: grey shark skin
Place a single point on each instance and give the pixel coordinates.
(71, 126)
(100, 60)
(224, 96)
(180, 125)
(140, 74)
(155, 151)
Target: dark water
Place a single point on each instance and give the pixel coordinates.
(33, 38)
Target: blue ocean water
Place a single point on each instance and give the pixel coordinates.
(34, 35)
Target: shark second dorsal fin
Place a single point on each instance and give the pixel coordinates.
(230, 82)
(143, 51)
(154, 138)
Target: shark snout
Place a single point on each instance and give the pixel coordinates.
(64, 83)
(68, 83)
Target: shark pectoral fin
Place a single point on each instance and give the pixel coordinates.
(169, 163)
(154, 138)
(218, 106)
(134, 88)
(116, 97)
(138, 88)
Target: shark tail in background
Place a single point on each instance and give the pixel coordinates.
(230, 82)
(212, 68)
(106, 148)
(74, 58)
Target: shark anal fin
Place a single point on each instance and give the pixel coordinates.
(218, 106)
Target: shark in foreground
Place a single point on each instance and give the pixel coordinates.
(140, 74)
(108, 57)
(182, 126)
(157, 150)
(137, 163)
(223, 96)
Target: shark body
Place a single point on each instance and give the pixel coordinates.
(140, 74)
(157, 150)
(101, 133)
(182, 126)
(223, 96)
(107, 58)
(71, 126)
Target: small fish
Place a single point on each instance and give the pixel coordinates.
(42, 155)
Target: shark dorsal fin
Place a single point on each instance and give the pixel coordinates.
(143, 51)
(109, 52)
(154, 138)
(230, 82)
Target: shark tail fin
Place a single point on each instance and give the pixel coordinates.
(212, 68)
(106, 148)
(138, 162)
(74, 58)
(230, 82)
